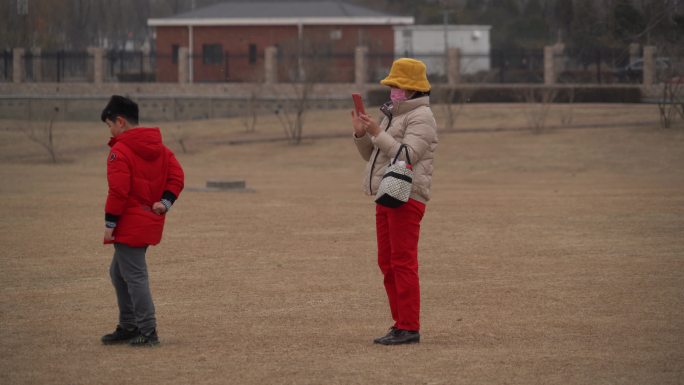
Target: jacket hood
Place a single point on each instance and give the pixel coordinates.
(144, 142)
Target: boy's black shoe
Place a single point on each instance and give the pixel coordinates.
(150, 339)
(400, 337)
(120, 335)
(390, 333)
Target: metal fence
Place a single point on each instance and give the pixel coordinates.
(129, 66)
(59, 66)
(499, 66)
(6, 66)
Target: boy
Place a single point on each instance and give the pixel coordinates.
(145, 179)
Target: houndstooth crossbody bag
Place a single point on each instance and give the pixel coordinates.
(395, 186)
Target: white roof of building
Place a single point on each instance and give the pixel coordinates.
(282, 13)
(440, 27)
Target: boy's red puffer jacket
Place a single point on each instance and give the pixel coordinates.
(140, 170)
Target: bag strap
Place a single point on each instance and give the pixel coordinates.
(405, 148)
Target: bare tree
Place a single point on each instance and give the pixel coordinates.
(671, 103)
(452, 111)
(45, 138)
(180, 136)
(455, 98)
(567, 114)
(310, 65)
(291, 113)
(249, 113)
(539, 102)
(671, 77)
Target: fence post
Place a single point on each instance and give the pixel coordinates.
(17, 65)
(649, 68)
(361, 65)
(98, 64)
(502, 72)
(58, 61)
(634, 52)
(6, 57)
(37, 64)
(271, 65)
(558, 59)
(183, 65)
(599, 59)
(454, 69)
(549, 65)
(122, 57)
(146, 62)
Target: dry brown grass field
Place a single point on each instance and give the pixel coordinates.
(555, 258)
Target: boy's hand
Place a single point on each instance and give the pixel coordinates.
(108, 235)
(158, 208)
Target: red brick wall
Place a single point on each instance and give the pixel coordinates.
(338, 53)
(167, 71)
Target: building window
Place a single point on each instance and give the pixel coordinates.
(252, 54)
(212, 54)
(336, 34)
(174, 53)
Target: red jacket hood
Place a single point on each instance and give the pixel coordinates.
(144, 142)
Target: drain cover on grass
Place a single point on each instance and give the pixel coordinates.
(224, 185)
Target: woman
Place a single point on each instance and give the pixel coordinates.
(409, 121)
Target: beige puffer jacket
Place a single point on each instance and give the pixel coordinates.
(413, 124)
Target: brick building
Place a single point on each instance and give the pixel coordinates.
(226, 42)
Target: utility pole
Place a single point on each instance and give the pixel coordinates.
(22, 12)
(22, 7)
(445, 12)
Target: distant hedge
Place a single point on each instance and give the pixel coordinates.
(524, 93)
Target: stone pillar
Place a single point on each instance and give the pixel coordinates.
(634, 52)
(271, 65)
(549, 65)
(454, 69)
(18, 65)
(559, 52)
(183, 65)
(146, 61)
(98, 64)
(37, 64)
(361, 65)
(649, 66)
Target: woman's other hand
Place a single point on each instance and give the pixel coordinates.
(359, 130)
(369, 125)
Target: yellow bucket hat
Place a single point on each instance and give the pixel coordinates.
(407, 74)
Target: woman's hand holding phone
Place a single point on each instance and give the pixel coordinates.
(359, 130)
(362, 123)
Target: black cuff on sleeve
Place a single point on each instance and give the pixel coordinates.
(169, 196)
(111, 218)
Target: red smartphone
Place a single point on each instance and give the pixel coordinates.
(358, 104)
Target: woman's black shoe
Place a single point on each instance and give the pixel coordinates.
(390, 333)
(400, 337)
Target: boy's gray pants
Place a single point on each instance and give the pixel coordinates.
(129, 277)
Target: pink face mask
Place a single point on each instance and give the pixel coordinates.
(397, 95)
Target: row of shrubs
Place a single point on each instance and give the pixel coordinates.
(523, 94)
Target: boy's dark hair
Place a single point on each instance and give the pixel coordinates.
(120, 106)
